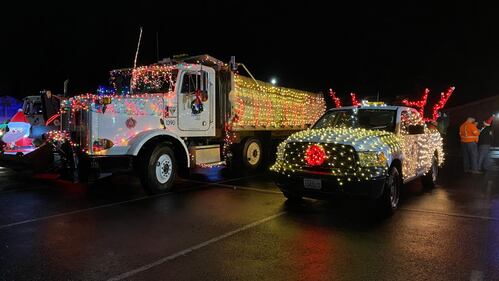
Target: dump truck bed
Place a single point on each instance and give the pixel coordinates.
(256, 105)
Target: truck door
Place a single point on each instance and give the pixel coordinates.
(412, 131)
(195, 100)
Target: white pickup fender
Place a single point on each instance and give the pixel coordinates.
(136, 143)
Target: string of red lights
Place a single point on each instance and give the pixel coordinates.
(334, 98)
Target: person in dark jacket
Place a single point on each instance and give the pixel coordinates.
(50, 104)
(484, 142)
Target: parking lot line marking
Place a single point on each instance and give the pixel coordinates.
(109, 205)
(3, 189)
(450, 214)
(235, 187)
(193, 248)
(7, 191)
(75, 212)
(92, 208)
(217, 182)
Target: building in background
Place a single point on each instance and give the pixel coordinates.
(481, 110)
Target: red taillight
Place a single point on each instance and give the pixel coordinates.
(315, 155)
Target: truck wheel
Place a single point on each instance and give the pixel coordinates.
(158, 170)
(430, 179)
(389, 200)
(252, 153)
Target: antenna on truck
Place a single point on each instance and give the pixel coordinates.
(138, 47)
(234, 66)
(251, 75)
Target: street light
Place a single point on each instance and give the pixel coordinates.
(273, 81)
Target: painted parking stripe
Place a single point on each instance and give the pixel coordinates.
(107, 205)
(90, 209)
(76, 211)
(218, 182)
(11, 188)
(235, 187)
(450, 214)
(193, 248)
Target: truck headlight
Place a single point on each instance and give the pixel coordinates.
(102, 144)
(372, 159)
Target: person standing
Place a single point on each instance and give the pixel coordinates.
(469, 138)
(484, 142)
(50, 104)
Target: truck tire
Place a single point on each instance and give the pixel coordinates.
(430, 179)
(252, 153)
(388, 203)
(158, 169)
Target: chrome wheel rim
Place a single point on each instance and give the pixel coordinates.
(394, 190)
(164, 168)
(253, 153)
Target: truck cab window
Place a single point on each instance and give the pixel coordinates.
(411, 123)
(192, 82)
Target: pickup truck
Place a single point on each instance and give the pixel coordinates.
(368, 151)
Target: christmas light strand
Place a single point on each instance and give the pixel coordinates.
(444, 97)
(334, 98)
(420, 104)
(264, 105)
(355, 101)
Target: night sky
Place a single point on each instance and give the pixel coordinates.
(365, 48)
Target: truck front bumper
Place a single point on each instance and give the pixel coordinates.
(329, 185)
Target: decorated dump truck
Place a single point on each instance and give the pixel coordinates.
(367, 150)
(163, 119)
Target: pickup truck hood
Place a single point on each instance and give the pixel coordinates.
(360, 139)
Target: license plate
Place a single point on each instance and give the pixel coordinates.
(312, 183)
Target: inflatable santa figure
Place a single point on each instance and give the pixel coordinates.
(18, 132)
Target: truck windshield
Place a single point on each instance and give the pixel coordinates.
(155, 79)
(32, 107)
(373, 119)
(144, 80)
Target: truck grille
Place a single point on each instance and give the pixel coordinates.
(341, 159)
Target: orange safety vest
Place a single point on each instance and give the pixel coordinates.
(468, 132)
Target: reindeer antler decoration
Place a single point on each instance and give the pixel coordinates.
(420, 104)
(444, 97)
(337, 101)
(355, 101)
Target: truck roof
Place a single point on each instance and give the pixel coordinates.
(201, 59)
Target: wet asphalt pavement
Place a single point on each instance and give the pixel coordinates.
(222, 225)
